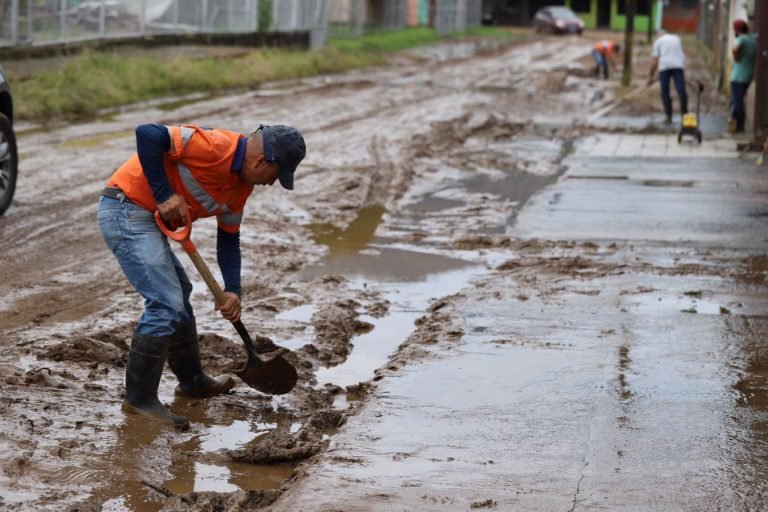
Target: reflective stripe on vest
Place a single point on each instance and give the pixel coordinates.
(231, 219)
(198, 192)
(186, 134)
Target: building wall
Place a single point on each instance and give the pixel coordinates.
(681, 16)
(677, 15)
(589, 17)
(413, 12)
(424, 12)
(617, 21)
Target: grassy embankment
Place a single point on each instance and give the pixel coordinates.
(79, 87)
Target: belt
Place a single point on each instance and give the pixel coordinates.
(114, 193)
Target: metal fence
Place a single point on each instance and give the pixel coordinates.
(43, 22)
(457, 15)
(52, 22)
(354, 18)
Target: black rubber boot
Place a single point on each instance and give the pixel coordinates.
(184, 360)
(142, 377)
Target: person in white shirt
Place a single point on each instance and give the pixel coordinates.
(668, 57)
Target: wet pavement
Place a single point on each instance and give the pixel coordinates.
(614, 378)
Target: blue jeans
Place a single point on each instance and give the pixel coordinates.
(738, 112)
(601, 62)
(149, 264)
(678, 76)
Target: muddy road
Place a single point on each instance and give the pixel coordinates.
(411, 237)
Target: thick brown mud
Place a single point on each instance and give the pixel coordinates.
(412, 170)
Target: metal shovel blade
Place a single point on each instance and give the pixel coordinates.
(274, 377)
(266, 370)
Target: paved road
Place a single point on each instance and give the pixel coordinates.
(624, 367)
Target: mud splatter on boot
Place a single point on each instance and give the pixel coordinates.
(146, 360)
(184, 360)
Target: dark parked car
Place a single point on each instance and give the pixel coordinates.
(557, 20)
(8, 155)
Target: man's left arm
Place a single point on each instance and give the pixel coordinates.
(229, 260)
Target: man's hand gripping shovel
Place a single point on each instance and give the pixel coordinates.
(266, 370)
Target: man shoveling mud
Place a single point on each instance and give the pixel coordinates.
(185, 173)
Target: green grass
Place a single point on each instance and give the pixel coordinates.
(86, 83)
(386, 41)
(79, 87)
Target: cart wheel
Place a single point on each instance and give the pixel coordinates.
(679, 137)
(698, 137)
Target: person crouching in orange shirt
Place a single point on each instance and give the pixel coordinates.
(604, 54)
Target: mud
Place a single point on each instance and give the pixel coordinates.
(480, 134)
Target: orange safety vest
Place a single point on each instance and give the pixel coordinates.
(199, 167)
(605, 47)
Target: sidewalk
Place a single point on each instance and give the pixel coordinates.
(616, 363)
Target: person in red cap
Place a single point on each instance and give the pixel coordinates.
(743, 71)
(185, 173)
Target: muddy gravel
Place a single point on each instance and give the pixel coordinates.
(498, 118)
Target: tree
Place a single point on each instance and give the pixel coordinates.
(629, 35)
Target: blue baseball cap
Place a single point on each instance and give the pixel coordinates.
(284, 145)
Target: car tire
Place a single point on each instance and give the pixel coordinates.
(9, 163)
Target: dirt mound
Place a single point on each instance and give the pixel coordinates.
(209, 501)
(335, 325)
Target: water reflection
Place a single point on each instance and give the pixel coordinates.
(152, 461)
(354, 237)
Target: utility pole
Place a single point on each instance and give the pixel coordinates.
(761, 73)
(652, 6)
(717, 45)
(629, 36)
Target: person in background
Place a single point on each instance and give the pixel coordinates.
(604, 54)
(668, 57)
(743, 70)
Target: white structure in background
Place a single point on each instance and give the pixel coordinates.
(144, 9)
(300, 16)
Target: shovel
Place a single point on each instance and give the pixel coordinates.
(266, 370)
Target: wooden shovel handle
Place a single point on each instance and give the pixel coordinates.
(218, 293)
(183, 237)
(208, 277)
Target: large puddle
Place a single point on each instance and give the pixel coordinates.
(407, 278)
(140, 442)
